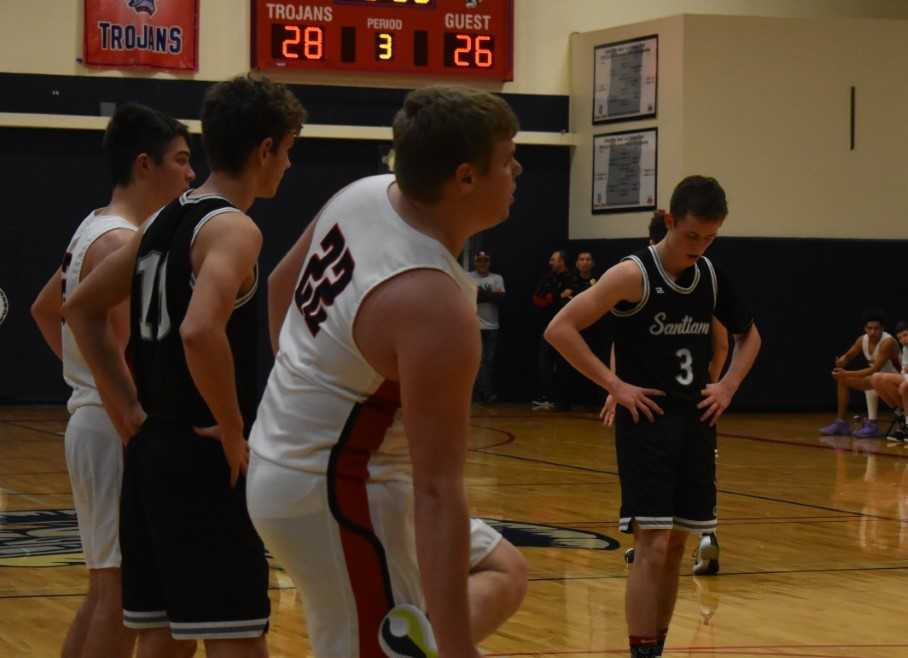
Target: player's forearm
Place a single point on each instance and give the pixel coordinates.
(211, 365)
(720, 356)
(50, 325)
(443, 549)
(570, 344)
(747, 346)
(104, 355)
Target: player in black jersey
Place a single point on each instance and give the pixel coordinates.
(663, 299)
(193, 566)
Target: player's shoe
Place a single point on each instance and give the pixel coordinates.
(869, 430)
(629, 556)
(898, 433)
(838, 428)
(405, 632)
(706, 557)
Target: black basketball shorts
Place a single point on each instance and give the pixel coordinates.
(667, 470)
(192, 560)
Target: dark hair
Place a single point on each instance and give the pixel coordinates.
(901, 326)
(699, 196)
(440, 128)
(874, 315)
(657, 227)
(585, 251)
(135, 129)
(239, 114)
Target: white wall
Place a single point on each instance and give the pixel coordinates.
(763, 105)
(669, 120)
(767, 109)
(542, 32)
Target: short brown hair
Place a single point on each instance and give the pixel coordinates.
(241, 113)
(439, 128)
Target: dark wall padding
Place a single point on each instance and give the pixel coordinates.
(807, 296)
(362, 106)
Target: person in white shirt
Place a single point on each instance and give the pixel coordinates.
(880, 350)
(147, 153)
(490, 293)
(893, 386)
(356, 474)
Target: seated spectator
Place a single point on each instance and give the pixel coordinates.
(893, 386)
(552, 293)
(881, 351)
(489, 294)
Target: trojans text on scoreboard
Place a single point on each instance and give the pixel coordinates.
(285, 12)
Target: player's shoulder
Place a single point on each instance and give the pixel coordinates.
(627, 270)
(425, 296)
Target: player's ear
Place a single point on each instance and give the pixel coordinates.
(141, 166)
(669, 221)
(264, 149)
(464, 176)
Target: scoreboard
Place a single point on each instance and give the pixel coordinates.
(459, 38)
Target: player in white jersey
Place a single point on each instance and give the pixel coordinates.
(893, 386)
(366, 509)
(880, 350)
(148, 156)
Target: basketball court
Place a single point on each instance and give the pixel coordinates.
(814, 538)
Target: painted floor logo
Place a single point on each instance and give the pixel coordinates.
(50, 538)
(534, 535)
(40, 538)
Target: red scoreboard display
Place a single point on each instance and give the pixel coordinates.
(466, 38)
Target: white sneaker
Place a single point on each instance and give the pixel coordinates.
(405, 632)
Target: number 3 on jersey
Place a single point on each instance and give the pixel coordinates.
(686, 376)
(317, 291)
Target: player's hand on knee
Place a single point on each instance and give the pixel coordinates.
(608, 411)
(716, 398)
(236, 450)
(637, 400)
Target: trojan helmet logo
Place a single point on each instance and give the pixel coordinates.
(40, 538)
(143, 6)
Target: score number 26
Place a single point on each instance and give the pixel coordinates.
(466, 45)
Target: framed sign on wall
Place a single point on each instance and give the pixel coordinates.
(626, 80)
(625, 171)
(162, 34)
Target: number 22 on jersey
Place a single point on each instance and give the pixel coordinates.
(317, 290)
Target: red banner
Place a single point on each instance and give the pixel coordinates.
(160, 34)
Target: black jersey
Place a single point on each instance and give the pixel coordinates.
(663, 341)
(161, 291)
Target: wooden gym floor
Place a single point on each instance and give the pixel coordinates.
(814, 541)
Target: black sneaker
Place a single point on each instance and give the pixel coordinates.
(629, 556)
(898, 433)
